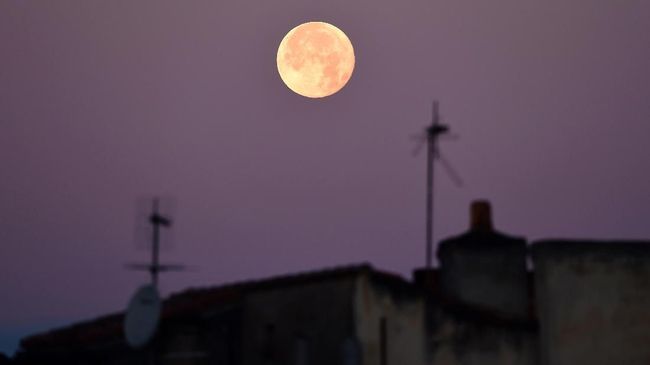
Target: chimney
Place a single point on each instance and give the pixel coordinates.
(480, 216)
(484, 268)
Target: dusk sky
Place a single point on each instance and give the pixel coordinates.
(103, 103)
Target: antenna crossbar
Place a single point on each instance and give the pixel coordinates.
(157, 222)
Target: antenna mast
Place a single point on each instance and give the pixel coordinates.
(156, 221)
(433, 132)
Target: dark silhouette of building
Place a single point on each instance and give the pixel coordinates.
(584, 302)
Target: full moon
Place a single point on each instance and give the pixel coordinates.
(315, 59)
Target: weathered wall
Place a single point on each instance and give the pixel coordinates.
(593, 300)
(403, 313)
(456, 341)
(197, 341)
(486, 270)
(298, 324)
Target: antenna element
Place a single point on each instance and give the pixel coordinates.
(157, 222)
(432, 133)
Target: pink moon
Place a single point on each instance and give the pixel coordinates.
(315, 59)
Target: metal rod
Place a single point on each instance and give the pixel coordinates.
(155, 220)
(434, 131)
(432, 136)
(430, 149)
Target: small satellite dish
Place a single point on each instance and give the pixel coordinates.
(142, 316)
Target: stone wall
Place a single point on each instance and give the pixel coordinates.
(457, 341)
(593, 300)
(298, 324)
(389, 319)
(486, 270)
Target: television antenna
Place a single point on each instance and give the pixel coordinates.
(157, 221)
(430, 136)
(143, 312)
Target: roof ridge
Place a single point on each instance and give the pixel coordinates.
(338, 269)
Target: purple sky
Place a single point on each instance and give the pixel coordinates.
(104, 102)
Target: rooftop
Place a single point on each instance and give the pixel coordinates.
(195, 300)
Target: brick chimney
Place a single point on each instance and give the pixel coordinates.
(480, 216)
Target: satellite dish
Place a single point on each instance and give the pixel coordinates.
(142, 316)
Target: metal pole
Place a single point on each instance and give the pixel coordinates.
(155, 220)
(430, 149)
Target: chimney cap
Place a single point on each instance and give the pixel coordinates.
(481, 216)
